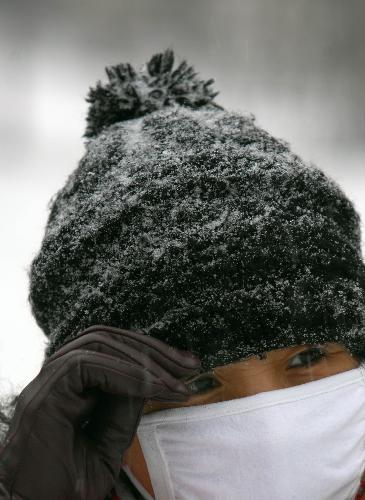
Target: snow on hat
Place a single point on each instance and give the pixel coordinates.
(196, 226)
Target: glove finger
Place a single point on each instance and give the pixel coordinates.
(163, 357)
(180, 364)
(115, 345)
(80, 370)
(180, 357)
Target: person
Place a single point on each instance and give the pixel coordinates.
(278, 369)
(225, 286)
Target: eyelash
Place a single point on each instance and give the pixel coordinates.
(194, 388)
(317, 352)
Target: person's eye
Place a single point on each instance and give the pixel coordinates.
(202, 384)
(307, 358)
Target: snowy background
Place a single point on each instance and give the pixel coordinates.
(298, 65)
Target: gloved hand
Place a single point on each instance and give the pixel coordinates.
(76, 418)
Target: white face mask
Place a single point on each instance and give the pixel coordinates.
(304, 442)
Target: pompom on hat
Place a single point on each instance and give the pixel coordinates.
(194, 225)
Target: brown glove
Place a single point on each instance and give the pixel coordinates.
(76, 418)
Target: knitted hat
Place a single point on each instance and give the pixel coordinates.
(193, 224)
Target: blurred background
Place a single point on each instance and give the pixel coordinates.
(298, 65)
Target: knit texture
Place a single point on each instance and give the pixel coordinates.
(198, 227)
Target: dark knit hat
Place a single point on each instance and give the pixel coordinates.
(193, 224)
